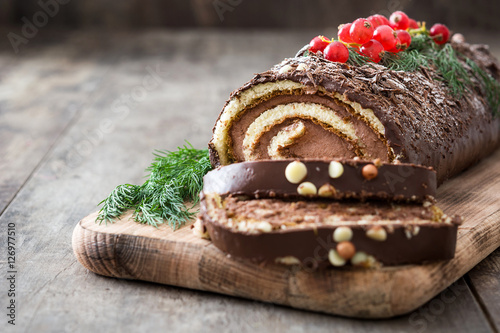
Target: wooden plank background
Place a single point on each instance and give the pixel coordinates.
(76, 120)
(289, 14)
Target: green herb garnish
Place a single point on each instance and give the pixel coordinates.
(175, 178)
(490, 86)
(454, 69)
(450, 66)
(356, 59)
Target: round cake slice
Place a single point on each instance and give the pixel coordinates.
(328, 179)
(320, 234)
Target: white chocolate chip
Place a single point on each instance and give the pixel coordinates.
(359, 258)
(408, 234)
(286, 69)
(295, 172)
(288, 260)
(200, 230)
(301, 67)
(342, 234)
(264, 213)
(242, 226)
(427, 204)
(311, 218)
(416, 230)
(264, 226)
(377, 233)
(335, 169)
(458, 38)
(372, 262)
(307, 188)
(335, 259)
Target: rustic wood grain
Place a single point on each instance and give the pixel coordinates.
(24, 95)
(485, 281)
(132, 251)
(57, 294)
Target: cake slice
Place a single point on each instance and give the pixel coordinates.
(334, 179)
(258, 211)
(318, 234)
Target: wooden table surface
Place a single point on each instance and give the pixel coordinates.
(81, 112)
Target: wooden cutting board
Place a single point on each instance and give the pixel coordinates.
(129, 250)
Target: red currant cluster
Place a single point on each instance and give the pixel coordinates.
(373, 36)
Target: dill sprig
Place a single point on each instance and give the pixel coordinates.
(422, 42)
(175, 177)
(408, 61)
(450, 66)
(452, 70)
(490, 86)
(356, 59)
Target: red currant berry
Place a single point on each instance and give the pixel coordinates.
(344, 34)
(386, 36)
(318, 43)
(399, 20)
(404, 39)
(337, 52)
(372, 49)
(413, 24)
(378, 20)
(396, 48)
(361, 31)
(440, 33)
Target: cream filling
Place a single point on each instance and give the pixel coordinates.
(366, 114)
(280, 113)
(237, 104)
(285, 138)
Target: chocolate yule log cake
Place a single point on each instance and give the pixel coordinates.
(309, 107)
(274, 212)
(332, 157)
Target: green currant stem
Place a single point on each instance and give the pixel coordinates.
(350, 44)
(420, 31)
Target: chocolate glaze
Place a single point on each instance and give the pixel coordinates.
(423, 123)
(310, 244)
(266, 179)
